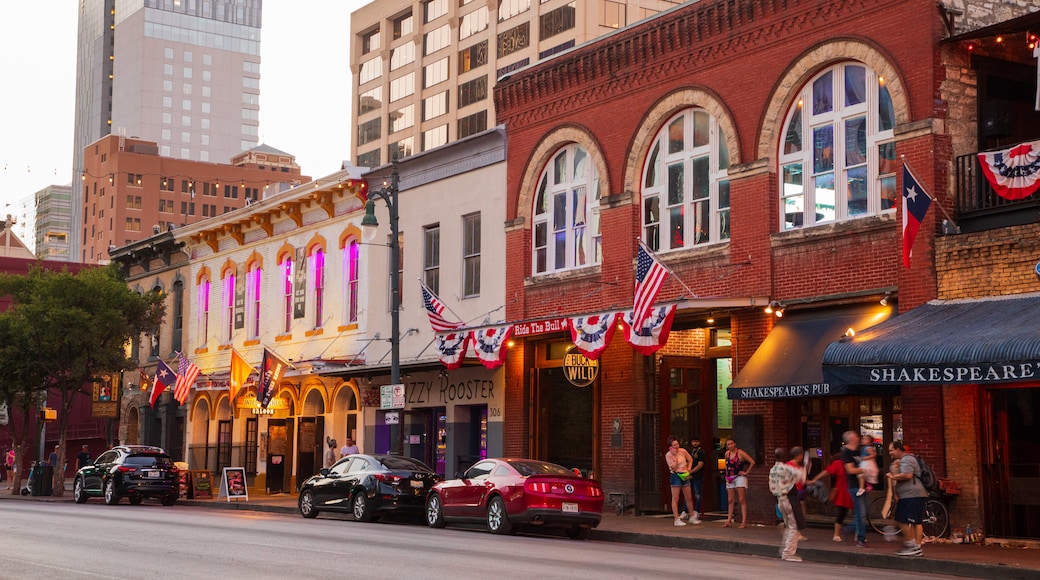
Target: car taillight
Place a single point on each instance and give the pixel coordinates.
(174, 469)
(125, 469)
(387, 477)
(537, 487)
(595, 492)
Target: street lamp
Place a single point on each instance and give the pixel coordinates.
(369, 225)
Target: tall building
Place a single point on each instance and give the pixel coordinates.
(130, 192)
(183, 74)
(53, 217)
(22, 214)
(423, 70)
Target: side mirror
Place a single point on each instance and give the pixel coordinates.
(459, 475)
(324, 471)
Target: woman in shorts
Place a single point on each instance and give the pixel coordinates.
(738, 466)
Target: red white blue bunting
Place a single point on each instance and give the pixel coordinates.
(653, 334)
(488, 343)
(1014, 173)
(591, 334)
(451, 348)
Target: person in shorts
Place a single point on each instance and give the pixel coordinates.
(905, 475)
(738, 466)
(679, 464)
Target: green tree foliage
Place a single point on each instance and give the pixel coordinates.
(65, 331)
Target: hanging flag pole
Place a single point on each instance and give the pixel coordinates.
(913, 173)
(671, 272)
(916, 202)
(435, 311)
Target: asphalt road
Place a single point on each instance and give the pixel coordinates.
(63, 540)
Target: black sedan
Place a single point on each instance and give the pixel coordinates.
(367, 486)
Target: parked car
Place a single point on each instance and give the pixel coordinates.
(506, 493)
(367, 486)
(131, 471)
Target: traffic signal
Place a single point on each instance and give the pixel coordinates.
(48, 414)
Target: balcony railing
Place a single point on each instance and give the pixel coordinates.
(979, 207)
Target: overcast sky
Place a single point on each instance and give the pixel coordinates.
(304, 88)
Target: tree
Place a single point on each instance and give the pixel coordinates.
(68, 330)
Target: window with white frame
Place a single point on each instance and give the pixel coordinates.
(317, 267)
(432, 257)
(471, 255)
(565, 218)
(846, 105)
(351, 257)
(253, 287)
(685, 186)
(229, 306)
(287, 295)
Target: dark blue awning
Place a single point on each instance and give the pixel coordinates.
(788, 362)
(977, 341)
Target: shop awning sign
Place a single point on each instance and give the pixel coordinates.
(539, 327)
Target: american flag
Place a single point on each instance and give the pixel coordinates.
(187, 372)
(435, 309)
(650, 275)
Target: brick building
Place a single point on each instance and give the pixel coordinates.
(771, 110)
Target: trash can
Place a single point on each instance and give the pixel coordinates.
(42, 480)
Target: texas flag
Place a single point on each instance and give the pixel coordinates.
(164, 377)
(916, 202)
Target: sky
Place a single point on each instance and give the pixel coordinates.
(305, 86)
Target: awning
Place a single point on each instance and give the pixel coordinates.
(788, 363)
(977, 341)
(1024, 23)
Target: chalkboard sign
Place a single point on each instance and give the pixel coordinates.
(233, 484)
(202, 485)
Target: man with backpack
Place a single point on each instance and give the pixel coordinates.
(905, 475)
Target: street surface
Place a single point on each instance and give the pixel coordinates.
(64, 540)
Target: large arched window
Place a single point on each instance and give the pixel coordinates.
(202, 295)
(228, 305)
(566, 213)
(685, 184)
(254, 284)
(287, 294)
(317, 265)
(837, 158)
(351, 256)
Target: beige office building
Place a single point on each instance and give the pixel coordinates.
(423, 69)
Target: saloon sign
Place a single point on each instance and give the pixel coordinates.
(580, 370)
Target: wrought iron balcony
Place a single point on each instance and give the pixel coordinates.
(980, 208)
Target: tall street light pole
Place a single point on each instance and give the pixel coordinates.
(388, 193)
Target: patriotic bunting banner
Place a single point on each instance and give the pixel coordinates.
(1014, 173)
(653, 335)
(271, 370)
(451, 348)
(164, 377)
(187, 372)
(488, 343)
(591, 334)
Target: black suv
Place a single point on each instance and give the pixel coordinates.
(133, 471)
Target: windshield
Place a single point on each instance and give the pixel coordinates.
(161, 461)
(406, 463)
(528, 468)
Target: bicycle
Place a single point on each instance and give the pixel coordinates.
(936, 517)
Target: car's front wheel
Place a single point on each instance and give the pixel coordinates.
(169, 500)
(78, 492)
(434, 511)
(362, 507)
(136, 500)
(497, 519)
(306, 504)
(111, 497)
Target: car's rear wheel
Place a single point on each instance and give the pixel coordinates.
(362, 507)
(497, 519)
(169, 500)
(78, 492)
(306, 504)
(578, 533)
(434, 511)
(111, 497)
(136, 500)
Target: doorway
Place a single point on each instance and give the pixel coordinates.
(310, 447)
(1011, 462)
(279, 452)
(565, 426)
(687, 399)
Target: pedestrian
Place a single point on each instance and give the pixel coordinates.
(738, 466)
(83, 459)
(9, 468)
(868, 463)
(839, 494)
(796, 459)
(697, 478)
(905, 474)
(782, 480)
(330, 452)
(850, 459)
(680, 462)
(349, 448)
(53, 459)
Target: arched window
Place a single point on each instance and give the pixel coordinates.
(685, 185)
(287, 294)
(203, 309)
(566, 213)
(229, 305)
(317, 259)
(351, 255)
(253, 286)
(178, 314)
(837, 158)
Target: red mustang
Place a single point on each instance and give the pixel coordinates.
(506, 493)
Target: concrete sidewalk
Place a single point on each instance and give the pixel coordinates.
(965, 560)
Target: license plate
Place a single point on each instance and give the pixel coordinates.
(417, 484)
(569, 507)
(153, 474)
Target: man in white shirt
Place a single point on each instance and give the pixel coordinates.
(348, 447)
(782, 478)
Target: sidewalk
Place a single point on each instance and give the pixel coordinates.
(965, 560)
